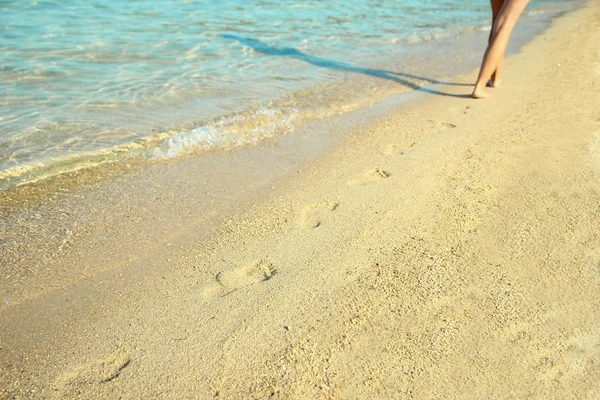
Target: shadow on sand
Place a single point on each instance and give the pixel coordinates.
(394, 76)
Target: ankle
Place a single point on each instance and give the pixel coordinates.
(479, 93)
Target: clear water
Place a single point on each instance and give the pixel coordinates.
(84, 81)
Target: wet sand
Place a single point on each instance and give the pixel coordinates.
(450, 249)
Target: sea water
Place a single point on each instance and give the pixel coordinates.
(88, 81)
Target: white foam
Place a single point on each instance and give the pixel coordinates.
(197, 138)
(226, 133)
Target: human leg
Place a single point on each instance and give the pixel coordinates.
(505, 22)
(497, 75)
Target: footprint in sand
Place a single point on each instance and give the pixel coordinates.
(249, 274)
(396, 148)
(84, 378)
(310, 216)
(371, 175)
(579, 357)
(445, 125)
(461, 110)
(583, 352)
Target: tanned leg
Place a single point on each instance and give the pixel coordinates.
(505, 22)
(496, 79)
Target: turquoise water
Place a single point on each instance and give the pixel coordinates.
(84, 81)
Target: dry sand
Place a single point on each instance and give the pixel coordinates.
(450, 250)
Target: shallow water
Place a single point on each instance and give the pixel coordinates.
(84, 82)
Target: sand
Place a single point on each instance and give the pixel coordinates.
(449, 250)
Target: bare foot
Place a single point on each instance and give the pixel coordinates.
(480, 94)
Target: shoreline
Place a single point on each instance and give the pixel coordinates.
(447, 238)
(323, 99)
(88, 210)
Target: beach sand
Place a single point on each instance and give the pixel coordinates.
(450, 249)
